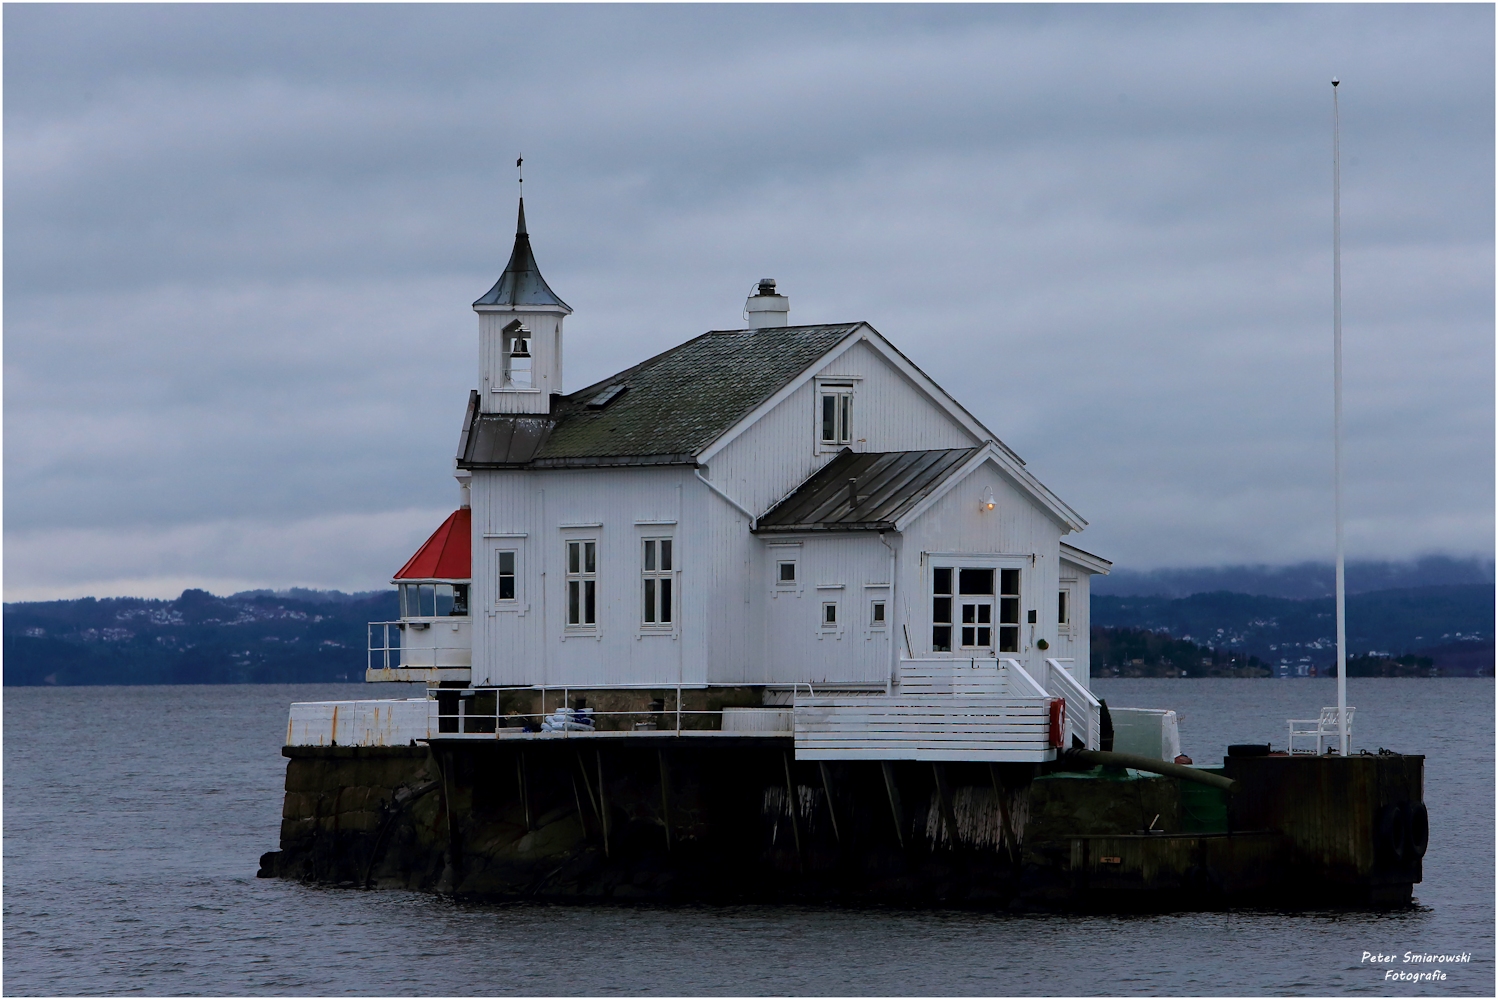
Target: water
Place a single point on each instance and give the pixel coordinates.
(134, 818)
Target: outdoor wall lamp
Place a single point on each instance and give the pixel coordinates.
(988, 502)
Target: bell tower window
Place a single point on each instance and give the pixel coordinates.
(519, 373)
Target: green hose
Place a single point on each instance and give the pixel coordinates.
(1108, 758)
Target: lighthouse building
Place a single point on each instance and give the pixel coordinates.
(780, 528)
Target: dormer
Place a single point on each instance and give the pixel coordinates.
(520, 335)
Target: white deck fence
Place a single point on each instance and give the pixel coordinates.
(943, 710)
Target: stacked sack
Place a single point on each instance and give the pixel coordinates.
(565, 719)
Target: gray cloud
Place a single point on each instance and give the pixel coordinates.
(242, 240)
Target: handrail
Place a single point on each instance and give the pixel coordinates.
(1025, 678)
(1068, 681)
(1083, 710)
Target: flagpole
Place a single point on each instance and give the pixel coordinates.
(1337, 420)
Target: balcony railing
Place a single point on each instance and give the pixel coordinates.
(421, 644)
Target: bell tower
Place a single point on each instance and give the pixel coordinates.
(520, 335)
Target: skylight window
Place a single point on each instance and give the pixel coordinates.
(607, 396)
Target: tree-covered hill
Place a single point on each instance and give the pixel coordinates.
(1453, 625)
(256, 637)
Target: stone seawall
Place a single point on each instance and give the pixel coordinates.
(738, 818)
(730, 819)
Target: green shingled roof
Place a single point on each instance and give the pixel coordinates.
(679, 402)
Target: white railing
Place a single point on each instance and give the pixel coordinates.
(1021, 684)
(1084, 714)
(924, 727)
(441, 643)
(944, 676)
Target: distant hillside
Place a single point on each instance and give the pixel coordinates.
(1452, 625)
(296, 636)
(1299, 582)
(1133, 652)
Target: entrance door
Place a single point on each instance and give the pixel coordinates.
(975, 602)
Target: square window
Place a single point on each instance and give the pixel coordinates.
(785, 573)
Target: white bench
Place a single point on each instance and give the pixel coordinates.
(1322, 729)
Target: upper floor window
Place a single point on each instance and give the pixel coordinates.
(835, 413)
(1063, 609)
(657, 568)
(785, 573)
(582, 583)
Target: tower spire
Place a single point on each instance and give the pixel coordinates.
(520, 176)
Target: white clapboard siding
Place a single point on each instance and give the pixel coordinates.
(923, 728)
(360, 723)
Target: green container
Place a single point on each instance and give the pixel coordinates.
(1204, 809)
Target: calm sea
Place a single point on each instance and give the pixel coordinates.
(134, 817)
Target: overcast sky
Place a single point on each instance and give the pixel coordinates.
(242, 243)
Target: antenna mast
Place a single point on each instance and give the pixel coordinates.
(1337, 420)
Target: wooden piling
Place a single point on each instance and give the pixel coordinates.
(603, 805)
(792, 804)
(525, 797)
(665, 798)
(948, 816)
(894, 801)
(831, 806)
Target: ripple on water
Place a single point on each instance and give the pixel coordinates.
(123, 881)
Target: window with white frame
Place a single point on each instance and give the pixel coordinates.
(974, 608)
(505, 579)
(877, 616)
(835, 413)
(829, 615)
(657, 561)
(1063, 609)
(433, 600)
(582, 583)
(785, 573)
(941, 609)
(1009, 611)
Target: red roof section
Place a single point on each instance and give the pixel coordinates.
(447, 555)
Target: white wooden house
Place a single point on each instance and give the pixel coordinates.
(794, 509)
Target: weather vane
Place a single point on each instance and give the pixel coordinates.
(520, 172)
